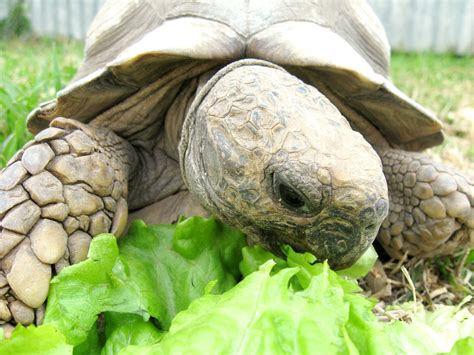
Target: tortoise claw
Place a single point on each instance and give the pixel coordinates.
(120, 218)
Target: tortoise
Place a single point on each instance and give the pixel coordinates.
(277, 117)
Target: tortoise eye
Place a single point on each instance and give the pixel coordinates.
(290, 197)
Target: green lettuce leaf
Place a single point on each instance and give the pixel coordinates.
(159, 271)
(93, 344)
(260, 315)
(80, 292)
(308, 267)
(266, 314)
(255, 256)
(173, 289)
(362, 266)
(45, 340)
(463, 346)
(124, 330)
(171, 269)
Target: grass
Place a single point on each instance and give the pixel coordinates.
(444, 84)
(32, 71)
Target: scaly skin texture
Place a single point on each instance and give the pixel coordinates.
(431, 206)
(63, 188)
(254, 135)
(256, 127)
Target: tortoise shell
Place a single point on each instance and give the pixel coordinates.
(338, 46)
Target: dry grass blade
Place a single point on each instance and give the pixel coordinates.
(400, 263)
(438, 292)
(461, 263)
(412, 285)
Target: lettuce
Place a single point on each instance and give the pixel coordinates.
(264, 314)
(159, 271)
(362, 266)
(261, 315)
(195, 287)
(463, 346)
(36, 340)
(124, 330)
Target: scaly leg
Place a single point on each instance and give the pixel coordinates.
(431, 206)
(63, 188)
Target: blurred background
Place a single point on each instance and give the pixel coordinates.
(42, 41)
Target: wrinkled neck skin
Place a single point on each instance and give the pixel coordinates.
(272, 156)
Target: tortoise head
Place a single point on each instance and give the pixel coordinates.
(272, 156)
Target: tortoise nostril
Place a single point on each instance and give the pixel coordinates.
(370, 226)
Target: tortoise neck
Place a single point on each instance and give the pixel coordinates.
(178, 110)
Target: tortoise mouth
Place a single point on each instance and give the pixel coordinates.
(341, 243)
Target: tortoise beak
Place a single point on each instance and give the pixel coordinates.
(339, 242)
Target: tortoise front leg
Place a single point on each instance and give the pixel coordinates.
(431, 206)
(63, 188)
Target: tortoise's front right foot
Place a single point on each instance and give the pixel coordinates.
(63, 188)
(431, 206)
